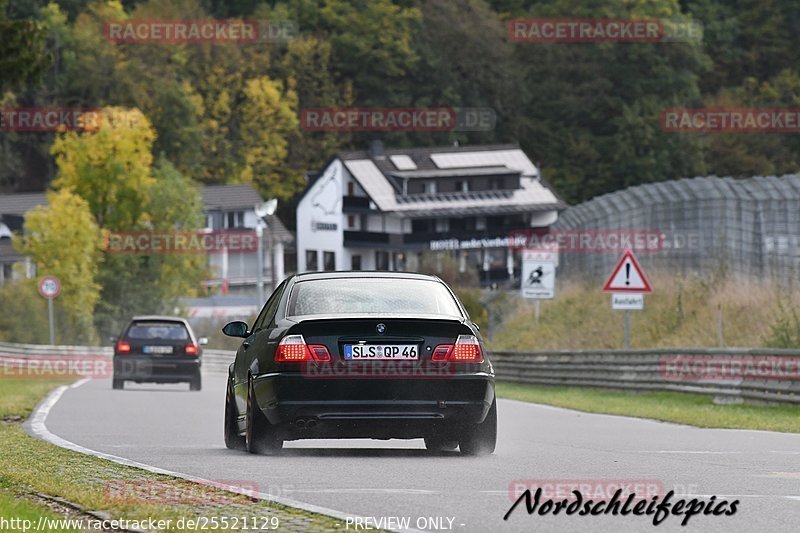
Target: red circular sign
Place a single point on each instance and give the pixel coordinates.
(49, 287)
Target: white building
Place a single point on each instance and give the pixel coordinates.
(380, 209)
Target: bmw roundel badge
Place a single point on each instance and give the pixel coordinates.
(381, 328)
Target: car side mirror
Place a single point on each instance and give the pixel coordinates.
(202, 341)
(236, 328)
(112, 339)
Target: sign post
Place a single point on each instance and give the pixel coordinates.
(50, 287)
(538, 276)
(628, 285)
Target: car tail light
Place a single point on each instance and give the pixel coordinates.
(467, 349)
(191, 349)
(293, 348)
(441, 351)
(123, 347)
(320, 352)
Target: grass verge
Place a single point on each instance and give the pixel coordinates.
(682, 408)
(29, 466)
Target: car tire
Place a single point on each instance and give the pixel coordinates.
(481, 439)
(439, 444)
(196, 383)
(233, 440)
(117, 384)
(259, 436)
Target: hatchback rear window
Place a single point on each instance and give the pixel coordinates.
(158, 330)
(371, 296)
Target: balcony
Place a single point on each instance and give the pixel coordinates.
(372, 239)
(355, 204)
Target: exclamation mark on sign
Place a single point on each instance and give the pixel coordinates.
(627, 273)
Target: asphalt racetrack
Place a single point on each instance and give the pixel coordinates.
(168, 427)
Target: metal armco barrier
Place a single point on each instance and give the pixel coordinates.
(767, 374)
(214, 361)
(776, 379)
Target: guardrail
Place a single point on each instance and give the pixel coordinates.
(733, 374)
(214, 361)
(729, 374)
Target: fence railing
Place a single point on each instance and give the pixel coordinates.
(728, 374)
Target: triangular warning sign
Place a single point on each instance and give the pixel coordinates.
(628, 276)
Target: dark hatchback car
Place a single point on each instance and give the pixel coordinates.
(361, 355)
(158, 349)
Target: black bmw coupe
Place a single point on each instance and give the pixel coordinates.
(382, 355)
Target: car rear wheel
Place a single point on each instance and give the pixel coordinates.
(233, 440)
(260, 435)
(197, 382)
(118, 384)
(481, 439)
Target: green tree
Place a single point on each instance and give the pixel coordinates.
(109, 168)
(64, 240)
(268, 120)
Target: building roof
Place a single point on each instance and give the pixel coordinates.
(377, 171)
(227, 197)
(20, 203)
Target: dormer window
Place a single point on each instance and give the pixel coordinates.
(430, 187)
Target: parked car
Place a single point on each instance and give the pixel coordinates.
(158, 349)
(361, 355)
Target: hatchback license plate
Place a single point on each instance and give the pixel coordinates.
(157, 349)
(381, 352)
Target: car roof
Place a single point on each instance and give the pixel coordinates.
(159, 318)
(343, 274)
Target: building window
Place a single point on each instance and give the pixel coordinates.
(355, 262)
(311, 260)
(497, 184)
(351, 221)
(351, 188)
(381, 260)
(234, 219)
(430, 187)
(329, 260)
(399, 261)
(363, 222)
(462, 186)
(420, 225)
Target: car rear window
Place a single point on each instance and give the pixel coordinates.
(158, 330)
(371, 295)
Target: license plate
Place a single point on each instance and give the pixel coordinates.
(157, 349)
(381, 352)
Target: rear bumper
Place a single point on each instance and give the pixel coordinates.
(156, 369)
(375, 407)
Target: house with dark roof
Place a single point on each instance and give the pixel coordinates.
(380, 209)
(226, 207)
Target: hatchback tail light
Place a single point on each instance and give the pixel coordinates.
(191, 349)
(123, 346)
(467, 349)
